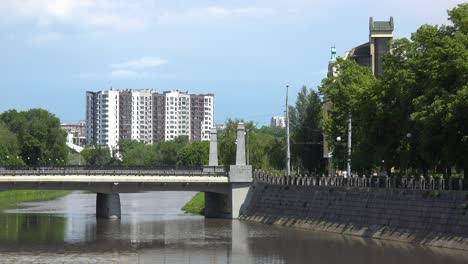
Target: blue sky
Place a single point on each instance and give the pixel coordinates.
(244, 52)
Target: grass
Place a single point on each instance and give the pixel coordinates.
(11, 199)
(196, 205)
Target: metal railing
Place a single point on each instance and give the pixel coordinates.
(210, 171)
(412, 182)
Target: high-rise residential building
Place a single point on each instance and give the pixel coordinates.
(201, 112)
(125, 115)
(102, 118)
(159, 117)
(177, 114)
(278, 121)
(142, 117)
(147, 116)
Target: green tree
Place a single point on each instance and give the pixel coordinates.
(194, 154)
(39, 135)
(424, 94)
(348, 92)
(414, 115)
(9, 148)
(305, 125)
(97, 155)
(136, 153)
(168, 151)
(265, 149)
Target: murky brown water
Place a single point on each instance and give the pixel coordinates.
(154, 230)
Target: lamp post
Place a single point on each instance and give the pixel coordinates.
(288, 152)
(338, 139)
(348, 162)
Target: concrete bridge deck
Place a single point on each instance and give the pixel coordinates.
(115, 180)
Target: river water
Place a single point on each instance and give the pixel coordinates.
(154, 230)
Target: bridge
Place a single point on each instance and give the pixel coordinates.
(225, 190)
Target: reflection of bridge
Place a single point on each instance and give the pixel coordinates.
(225, 192)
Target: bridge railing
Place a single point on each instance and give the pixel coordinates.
(212, 171)
(412, 182)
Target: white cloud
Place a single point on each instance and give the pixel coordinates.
(132, 69)
(237, 12)
(87, 14)
(130, 74)
(78, 16)
(144, 62)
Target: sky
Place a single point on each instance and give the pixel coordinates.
(245, 52)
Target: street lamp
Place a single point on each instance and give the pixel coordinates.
(338, 139)
(288, 152)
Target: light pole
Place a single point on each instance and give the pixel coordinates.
(348, 160)
(288, 152)
(338, 139)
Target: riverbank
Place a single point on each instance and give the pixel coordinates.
(11, 199)
(403, 215)
(196, 205)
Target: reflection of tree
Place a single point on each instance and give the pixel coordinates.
(31, 228)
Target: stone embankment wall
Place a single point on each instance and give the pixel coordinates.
(428, 217)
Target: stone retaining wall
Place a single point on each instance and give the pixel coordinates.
(428, 217)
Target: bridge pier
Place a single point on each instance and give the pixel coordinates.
(240, 181)
(108, 205)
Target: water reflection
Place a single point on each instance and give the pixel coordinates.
(153, 230)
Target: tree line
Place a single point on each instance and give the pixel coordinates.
(412, 117)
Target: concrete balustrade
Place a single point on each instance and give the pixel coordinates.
(419, 183)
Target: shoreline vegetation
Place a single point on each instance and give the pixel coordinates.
(12, 199)
(196, 205)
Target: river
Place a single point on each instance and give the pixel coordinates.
(154, 230)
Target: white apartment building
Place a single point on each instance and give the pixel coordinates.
(147, 116)
(177, 114)
(278, 121)
(208, 121)
(102, 118)
(142, 117)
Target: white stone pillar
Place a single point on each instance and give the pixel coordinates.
(213, 158)
(240, 148)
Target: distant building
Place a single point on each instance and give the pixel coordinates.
(201, 116)
(278, 121)
(371, 53)
(220, 126)
(102, 118)
(76, 133)
(147, 116)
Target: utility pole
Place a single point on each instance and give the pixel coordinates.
(348, 164)
(247, 144)
(288, 152)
